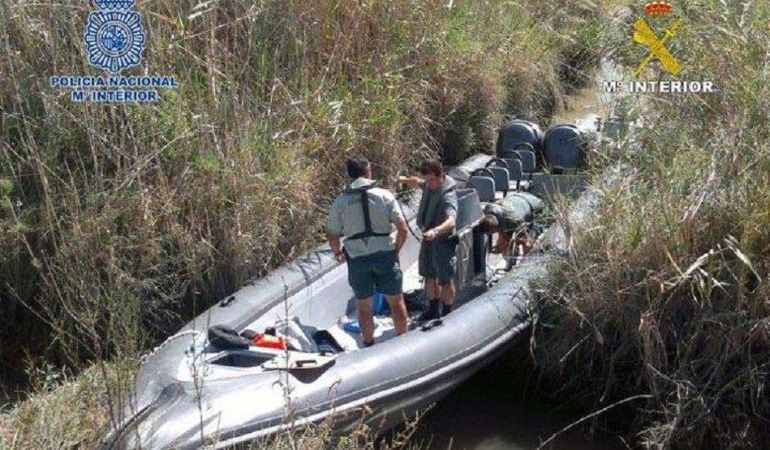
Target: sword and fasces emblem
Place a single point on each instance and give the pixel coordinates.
(644, 35)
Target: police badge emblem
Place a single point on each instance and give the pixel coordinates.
(114, 39)
(122, 5)
(114, 36)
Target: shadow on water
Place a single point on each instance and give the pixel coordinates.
(494, 410)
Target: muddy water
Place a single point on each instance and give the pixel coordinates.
(494, 410)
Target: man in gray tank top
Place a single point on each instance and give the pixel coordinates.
(365, 214)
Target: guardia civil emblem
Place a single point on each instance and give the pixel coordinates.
(114, 36)
(656, 45)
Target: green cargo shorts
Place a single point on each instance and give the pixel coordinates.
(438, 259)
(380, 271)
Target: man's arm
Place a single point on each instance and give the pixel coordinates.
(503, 242)
(401, 233)
(334, 243)
(445, 227)
(411, 182)
(334, 230)
(396, 218)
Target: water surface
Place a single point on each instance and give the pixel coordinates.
(494, 410)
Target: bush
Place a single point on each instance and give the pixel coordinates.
(665, 293)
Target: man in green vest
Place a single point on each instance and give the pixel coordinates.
(365, 214)
(436, 218)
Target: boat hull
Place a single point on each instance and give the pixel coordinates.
(185, 398)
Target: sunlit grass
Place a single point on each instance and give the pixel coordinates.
(666, 292)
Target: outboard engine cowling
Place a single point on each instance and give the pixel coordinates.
(518, 132)
(564, 147)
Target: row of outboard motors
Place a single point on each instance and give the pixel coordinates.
(560, 149)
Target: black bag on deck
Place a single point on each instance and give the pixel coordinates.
(326, 343)
(225, 338)
(414, 301)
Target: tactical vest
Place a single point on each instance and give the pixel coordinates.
(427, 218)
(368, 232)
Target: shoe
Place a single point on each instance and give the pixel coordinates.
(433, 311)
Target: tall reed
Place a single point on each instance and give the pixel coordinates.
(665, 294)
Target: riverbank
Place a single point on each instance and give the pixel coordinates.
(657, 322)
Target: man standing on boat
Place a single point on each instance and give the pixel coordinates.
(365, 214)
(436, 218)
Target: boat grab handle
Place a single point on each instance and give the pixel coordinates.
(226, 302)
(432, 324)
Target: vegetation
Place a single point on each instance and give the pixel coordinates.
(118, 223)
(663, 304)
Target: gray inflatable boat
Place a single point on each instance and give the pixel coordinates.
(189, 393)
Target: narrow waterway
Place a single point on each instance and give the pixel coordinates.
(496, 410)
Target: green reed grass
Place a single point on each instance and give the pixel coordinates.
(665, 293)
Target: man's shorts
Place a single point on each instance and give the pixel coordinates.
(380, 271)
(438, 260)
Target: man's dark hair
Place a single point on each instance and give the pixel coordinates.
(357, 166)
(489, 224)
(432, 167)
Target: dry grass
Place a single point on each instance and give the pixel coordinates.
(666, 294)
(74, 412)
(64, 412)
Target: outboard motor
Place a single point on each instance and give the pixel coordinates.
(517, 132)
(564, 147)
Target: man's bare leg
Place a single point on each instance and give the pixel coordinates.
(398, 312)
(448, 293)
(366, 319)
(432, 295)
(431, 288)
